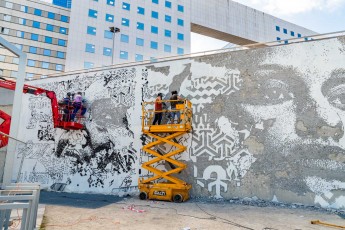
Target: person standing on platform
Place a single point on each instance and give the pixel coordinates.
(158, 109)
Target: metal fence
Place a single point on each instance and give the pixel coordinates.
(23, 197)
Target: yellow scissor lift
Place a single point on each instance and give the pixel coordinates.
(173, 188)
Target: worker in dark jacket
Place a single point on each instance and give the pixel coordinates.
(174, 100)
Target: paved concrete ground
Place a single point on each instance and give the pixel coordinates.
(84, 211)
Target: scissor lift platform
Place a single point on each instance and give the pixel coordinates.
(173, 188)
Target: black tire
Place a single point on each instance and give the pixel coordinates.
(143, 196)
(177, 198)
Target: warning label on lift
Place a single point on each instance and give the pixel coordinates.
(159, 193)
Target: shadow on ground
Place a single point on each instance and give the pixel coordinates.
(78, 200)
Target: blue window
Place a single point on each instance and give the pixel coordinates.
(124, 38)
(90, 48)
(154, 29)
(91, 30)
(45, 65)
(140, 26)
(126, 6)
(24, 9)
(107, 51)
(180, 8)
(305, 39)
(125, 22)
(88, 65)
(154, 45)
(20, 34)
(154, 14)
(32, 50)
(292, 33)
(139, 42)
(139, 57)
(111, 2)
(180, 22)
(278, 38)
(37, 12)
(29, 76)
(167, 4)
(299, 35)
(180, 51)
(15, 60)
(63, 30)
(31, 63)
(61, 42)
(58, 67)
(65, 18)
(22, 21)
(108, 34)
(277, 28)
(153, 59)
(19, 47)
(92, 13)
(167, 18)
(48, 39)
(46, 52)
(155, 1)
(109, 18)
(286, 42)
(124, 55)
(60, 54)
(285, 31)
(167, 48)
(141, 10)
(14, 74)
(50, 27)
(180, 36)
(167, 33)
(51, 15)
(34, 37)
(36, 24)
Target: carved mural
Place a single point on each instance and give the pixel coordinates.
(266, 122)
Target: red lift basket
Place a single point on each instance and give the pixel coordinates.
(58, 120)
(65, 116)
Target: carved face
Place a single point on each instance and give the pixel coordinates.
(294, 102)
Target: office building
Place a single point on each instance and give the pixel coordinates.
(95, 33)
(40, 30)
(148, 30)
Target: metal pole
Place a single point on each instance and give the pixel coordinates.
(1, 133)
(114, 30)
(112, 53)
(16, 111)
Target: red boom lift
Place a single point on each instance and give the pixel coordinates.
(57, 113)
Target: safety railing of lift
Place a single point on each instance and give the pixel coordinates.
(184, 107)
(192, 55)
(66, 112)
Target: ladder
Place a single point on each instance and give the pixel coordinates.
(163, 185)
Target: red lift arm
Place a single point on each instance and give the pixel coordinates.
(57, 118)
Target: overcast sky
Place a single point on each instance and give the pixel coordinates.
(322, 16)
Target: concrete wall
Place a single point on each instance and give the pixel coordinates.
(239, 24)
(268, 122)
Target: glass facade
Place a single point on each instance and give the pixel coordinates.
(150, 28)
(63, 3)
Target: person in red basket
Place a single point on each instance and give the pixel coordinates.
(158, 109)
(77, 104)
